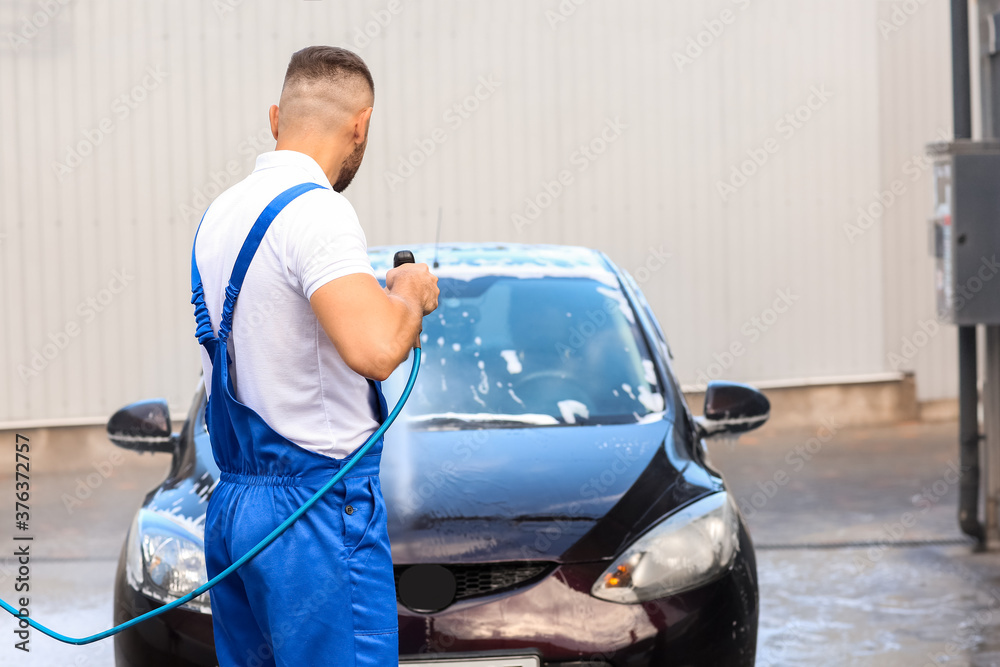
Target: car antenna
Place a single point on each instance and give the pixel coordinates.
(437, 241)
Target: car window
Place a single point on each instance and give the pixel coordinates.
(644, 304)
(673, 385)
(548, 351)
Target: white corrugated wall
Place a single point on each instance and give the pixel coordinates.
(914, 109)
(121, 120)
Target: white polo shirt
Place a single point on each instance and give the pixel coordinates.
(284, 366)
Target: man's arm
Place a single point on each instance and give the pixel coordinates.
(374, 329)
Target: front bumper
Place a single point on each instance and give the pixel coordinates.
(557, 617)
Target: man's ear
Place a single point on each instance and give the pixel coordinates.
(361, 122)
(273, 115)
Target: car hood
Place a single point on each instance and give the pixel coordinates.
(562, 493)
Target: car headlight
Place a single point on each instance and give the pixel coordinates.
(165, 560)
(688, 549)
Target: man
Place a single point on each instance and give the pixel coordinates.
(293, 375)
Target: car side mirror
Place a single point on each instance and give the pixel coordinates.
(143, 426)
(731, 407)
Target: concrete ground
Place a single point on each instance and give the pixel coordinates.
(80, 512)
(824, 603)
(835, 602)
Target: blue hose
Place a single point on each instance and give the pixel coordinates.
(248, 556)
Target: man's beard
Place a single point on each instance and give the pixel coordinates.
(350, 167)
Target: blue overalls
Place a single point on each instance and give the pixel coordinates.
(323, 593)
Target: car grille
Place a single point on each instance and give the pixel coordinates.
(484, 578)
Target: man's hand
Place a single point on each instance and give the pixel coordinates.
(414, 283)
(374, 329)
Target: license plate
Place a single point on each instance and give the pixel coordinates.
(490, 661)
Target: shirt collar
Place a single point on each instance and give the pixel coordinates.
(287, 158)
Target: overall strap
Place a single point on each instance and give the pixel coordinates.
(203, 320)
(249, 249)
(383, 408)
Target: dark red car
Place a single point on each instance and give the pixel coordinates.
(549, 498)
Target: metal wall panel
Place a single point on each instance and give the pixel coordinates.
(152, 107)
(914, 109)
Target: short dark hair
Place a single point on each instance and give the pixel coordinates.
(327, 62)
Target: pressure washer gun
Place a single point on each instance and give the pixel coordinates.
(402, 257)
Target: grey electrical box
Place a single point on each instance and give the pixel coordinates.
(965, 230)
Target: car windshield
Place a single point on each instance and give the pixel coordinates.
(504, 351)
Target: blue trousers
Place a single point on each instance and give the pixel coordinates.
(323, 593)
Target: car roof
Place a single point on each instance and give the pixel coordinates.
(465, 261)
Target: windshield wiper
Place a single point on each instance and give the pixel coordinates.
(456, 420)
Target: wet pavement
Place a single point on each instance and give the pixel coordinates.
(821, 503)
(78, 520)
(848, 596)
